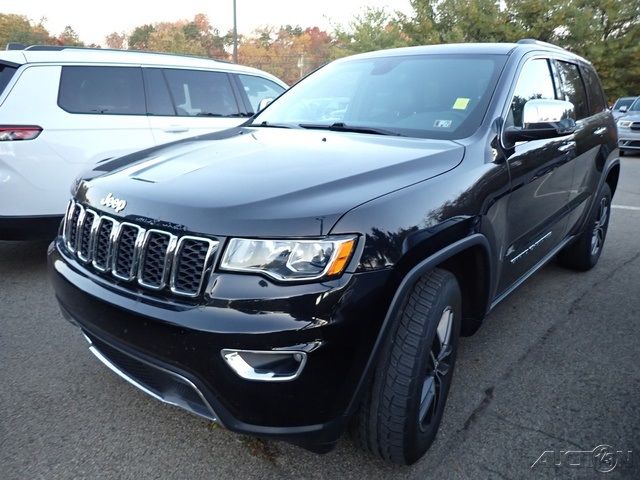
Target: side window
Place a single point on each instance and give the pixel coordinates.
(573, 88)
(597, 102)
(535, 81)
(158, 98)
(198, 93)
(6, 72)
(258, 88)
(102, 90)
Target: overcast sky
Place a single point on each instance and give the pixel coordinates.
(93, 20)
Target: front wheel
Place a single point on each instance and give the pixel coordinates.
(585, 251)
(400, 415)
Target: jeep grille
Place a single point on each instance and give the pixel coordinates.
(154, 259)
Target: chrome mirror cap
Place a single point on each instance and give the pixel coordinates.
(544, 112)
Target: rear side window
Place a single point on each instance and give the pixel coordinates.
(597, 102)
(158, 98)
(535, 82)
(258, 88)
(102, 90)
(573, 88)
(201, 94)
(6, 73)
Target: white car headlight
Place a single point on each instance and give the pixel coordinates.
(624, 123)
(289, 260)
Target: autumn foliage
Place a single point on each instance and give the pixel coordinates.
(607, 32)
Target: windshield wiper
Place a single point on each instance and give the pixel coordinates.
(273, 125)
(343, 127)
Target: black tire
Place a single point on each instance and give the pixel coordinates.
(584, 252)
(394, 422)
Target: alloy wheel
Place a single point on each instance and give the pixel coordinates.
(438, 368)
(597, 239)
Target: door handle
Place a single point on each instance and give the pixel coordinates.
(176, 129)
(600, 131)
(567, 146)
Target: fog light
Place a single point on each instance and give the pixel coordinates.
(265, 365)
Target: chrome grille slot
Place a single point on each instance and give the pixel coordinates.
(72, 227)
(189, 265)
(155, 258)
(67, 221)
(102, 244)
(85, 237)
(154, 264)
(126, 251)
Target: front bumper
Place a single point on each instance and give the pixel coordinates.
(628, 139)
(172, 349)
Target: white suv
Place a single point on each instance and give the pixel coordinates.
(64, 109)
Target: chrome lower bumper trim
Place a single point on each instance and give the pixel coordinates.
(158, 395)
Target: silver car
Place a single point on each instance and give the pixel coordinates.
(629, 129)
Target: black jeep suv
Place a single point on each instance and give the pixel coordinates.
(315, 267)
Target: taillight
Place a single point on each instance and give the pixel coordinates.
(10, 133)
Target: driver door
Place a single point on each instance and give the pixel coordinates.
(541, 179)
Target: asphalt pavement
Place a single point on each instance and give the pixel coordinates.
(555, 368)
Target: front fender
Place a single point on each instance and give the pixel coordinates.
(405, 286)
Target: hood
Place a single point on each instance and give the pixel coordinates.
(631, 116)
(263, 182)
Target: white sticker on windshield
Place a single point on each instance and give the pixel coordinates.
(442, 123)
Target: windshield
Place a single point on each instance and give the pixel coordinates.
(427, 96)
(624, 102)
(635, 106)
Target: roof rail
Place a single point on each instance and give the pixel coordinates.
(533, 41)
(15, 46)
(44, 48)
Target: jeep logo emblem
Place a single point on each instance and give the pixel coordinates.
(112, 202)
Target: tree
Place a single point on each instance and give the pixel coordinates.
(195, 37)
(451, 21)
(373, 29)
(289, 52)
(607, 32)
(18, 28)
(140, 37)
(472, 21)
(420, 27)
(116, 40)
(545, 20)
(69, 37)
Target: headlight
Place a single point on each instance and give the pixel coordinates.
(624, 123)
(289, 260)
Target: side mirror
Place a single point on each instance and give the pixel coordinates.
(263, 103)
(622, 109)
(543, 119)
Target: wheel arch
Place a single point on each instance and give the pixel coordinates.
(474, 248)
(613, 175)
